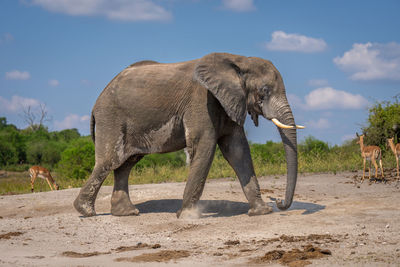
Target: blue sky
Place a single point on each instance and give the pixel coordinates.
(337, 58)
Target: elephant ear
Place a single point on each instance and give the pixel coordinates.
(221, 75)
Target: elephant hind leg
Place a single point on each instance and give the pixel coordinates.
(84, 203)
(121, 204)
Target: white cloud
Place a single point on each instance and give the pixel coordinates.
(282, 41)
(125, 10)
(318, 82)
(17, 103)
(319, 124)
(18, 75)
(239, 5)
(371, 61)
(54, 83)
(329, 98)
(73, 121)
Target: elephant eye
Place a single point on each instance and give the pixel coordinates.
(264, 92)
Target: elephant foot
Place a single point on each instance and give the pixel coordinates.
(84, 207)
(260, 209)
(121, 204)
(191, 213)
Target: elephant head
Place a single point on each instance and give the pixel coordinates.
(253, 85)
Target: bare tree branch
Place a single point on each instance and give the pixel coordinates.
(29, 116)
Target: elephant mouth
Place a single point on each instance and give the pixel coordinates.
(284, 126)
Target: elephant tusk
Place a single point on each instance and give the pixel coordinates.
(280, 124)
(284, 126)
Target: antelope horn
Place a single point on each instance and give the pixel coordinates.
(284, 126)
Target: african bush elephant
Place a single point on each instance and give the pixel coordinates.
(155, 108)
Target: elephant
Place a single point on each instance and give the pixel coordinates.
(153, 107)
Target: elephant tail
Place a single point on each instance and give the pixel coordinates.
(92, 125)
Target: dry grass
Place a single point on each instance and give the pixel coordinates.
(332, 162)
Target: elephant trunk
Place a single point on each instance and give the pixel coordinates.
(289, 140)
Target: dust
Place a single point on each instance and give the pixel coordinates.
(295, 257)
(10, 234)
(161, 256)
(137, 247)
(192, 214)
(186, 228)
(73, 254)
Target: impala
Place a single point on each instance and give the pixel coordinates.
(396, 151)
(371, 153)
(41, 172)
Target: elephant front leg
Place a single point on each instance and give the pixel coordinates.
(201, 155)
(121, 204)
(236, 151)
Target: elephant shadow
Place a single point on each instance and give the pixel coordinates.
(309, 208)
(217, 208)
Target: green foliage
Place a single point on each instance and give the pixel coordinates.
(384, 122)
(28, 147)
(67, 135)
(173, 159)
(313, 145)
(269, 152)
(8, 153)
(12, 146)
(77, 160)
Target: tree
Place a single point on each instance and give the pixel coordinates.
(384, 122)
(12, 144)
(35, 119)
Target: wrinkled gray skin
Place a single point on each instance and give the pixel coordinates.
(156, 108)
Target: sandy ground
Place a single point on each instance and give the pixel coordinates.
(332, 222)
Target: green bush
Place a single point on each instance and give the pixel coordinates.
(67, 135)
(313, 145)
(34, 152)
(52, 152)
(77, 160)
(269, 152)
(8, 153)
(383, 123)
(12, 144)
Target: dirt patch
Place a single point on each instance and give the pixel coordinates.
(314, 238)
(295, 257)
(161, 256)
(311, 237)
(9, 194)
(232, 242)
(264, 191)
(73, 254)
(35, 257)
(358, 225)
(10, 234)
(137, 247)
